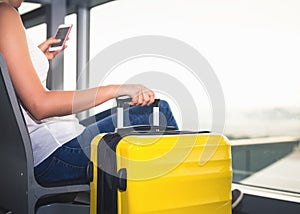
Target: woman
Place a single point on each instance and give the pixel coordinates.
(60, 144)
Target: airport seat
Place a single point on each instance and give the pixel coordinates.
(19, 191)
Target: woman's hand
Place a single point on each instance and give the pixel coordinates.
(45, 48)
(140, 94)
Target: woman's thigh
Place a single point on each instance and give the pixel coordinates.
(67, 165)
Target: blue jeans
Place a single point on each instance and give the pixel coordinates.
(68, 164)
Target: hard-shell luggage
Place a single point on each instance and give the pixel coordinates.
(161, 171)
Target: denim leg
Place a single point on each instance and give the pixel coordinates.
(142, 115)
(68, 163)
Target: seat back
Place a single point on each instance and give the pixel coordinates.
(19, 191)
(16, 159)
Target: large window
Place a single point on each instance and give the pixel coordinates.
(253, 48)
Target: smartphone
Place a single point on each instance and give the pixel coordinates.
(62, 33)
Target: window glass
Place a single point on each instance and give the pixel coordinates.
(253, 48)
(27, 7)
(70, 55)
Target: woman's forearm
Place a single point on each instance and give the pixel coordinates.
(60, 103)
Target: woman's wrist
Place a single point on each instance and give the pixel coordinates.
(118, 90)
(111, 91)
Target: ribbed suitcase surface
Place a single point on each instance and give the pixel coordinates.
(163, 173)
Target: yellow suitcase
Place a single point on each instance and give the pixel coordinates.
(158, 172)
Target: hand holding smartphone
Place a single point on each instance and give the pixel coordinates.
(62, 33)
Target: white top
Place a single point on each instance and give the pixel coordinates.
(49, 134)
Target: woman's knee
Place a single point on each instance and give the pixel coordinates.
(164, 104)
(167, 117)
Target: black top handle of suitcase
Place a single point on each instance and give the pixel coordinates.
(121, 103)
(145, 129)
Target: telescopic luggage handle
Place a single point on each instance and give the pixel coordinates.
(126, 99)
(121, 103)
